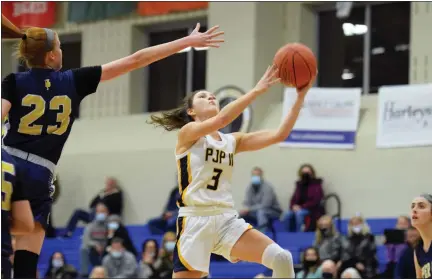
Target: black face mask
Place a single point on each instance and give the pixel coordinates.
(327, 275)
(325, 231)
(308, 264)
(306, 177)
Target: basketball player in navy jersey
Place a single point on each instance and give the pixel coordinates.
(16, 216)
(421, 218)
(41, 105)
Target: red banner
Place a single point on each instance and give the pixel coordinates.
(160, 8)
(26, 14)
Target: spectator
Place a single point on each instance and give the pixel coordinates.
(394, 250)
(119, 263)
(94, 240)
(166, 254)
(111, 196)
(261, 202)
(328, 240)
(306, 200)
(351, 273)
(117, 230)
(359, 249)
(98, 272)
(310, 264)
(167, 222)
(150, 261)
(58, 267)
(405, 267)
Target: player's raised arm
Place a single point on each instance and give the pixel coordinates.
(196, 129)
(146, 56)
(262, 139)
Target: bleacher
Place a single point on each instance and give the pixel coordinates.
(295, 242)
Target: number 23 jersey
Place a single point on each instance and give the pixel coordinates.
(205, 172)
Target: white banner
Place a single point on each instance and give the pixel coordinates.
(404, 116)
(329, 118)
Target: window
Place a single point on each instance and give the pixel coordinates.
(390, 42)
(341, 49)
(172, 78)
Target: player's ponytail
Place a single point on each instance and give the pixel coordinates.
(176, 118)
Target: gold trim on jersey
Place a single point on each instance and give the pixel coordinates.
(180, 230)
(184, 177)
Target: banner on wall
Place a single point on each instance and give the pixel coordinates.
(25, 14)
(328, 119)
(404, 116)
(159, 8)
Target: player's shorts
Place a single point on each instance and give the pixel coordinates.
(6, 268)
(199, 236)
(36, 176)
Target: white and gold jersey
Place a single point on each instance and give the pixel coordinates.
(204, 176)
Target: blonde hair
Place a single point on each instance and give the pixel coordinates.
(319, 235)
(365, 228)
(96, 269)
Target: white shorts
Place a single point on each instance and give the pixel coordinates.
(199, 236)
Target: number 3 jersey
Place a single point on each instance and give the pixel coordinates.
(204, 175)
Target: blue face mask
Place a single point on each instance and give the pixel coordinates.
(256, 180)
(116, 254)
(100, 217)
(170, 245)
(57, 263)
(113, 226)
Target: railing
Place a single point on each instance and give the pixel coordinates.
(339, 207)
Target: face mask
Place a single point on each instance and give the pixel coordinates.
(100, 217)
(325, 231)
(152, 254)
(116, 254)
(306, 176)
(169, 246)
(357, 229)
(113, 226)
(256, 180)
(327, 275)
(308, 264)
(57, 263)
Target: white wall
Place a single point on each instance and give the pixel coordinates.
(374, 182)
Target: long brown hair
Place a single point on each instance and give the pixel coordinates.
(176, 118)
(9, 30)
(34, 45)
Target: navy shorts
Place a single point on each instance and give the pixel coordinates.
(36, 181)
(6, 268)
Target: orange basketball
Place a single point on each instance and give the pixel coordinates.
(297, 65)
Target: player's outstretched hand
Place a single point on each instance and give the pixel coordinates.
(269, 78)
(210, 38)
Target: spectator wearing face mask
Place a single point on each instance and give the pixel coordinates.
(359, 249)
(150, 262)
(119, 263)
(311, 264)
(94, 240)
(261, 202)
(306, 200)
(117, 230)
(166, 254)
(405, 267)
(328, 240)
(59, 269)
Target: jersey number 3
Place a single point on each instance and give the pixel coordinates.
(26, 125)
(6, 186)
(215, 179)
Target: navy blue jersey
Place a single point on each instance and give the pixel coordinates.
(424, 260)
(44, 106)
(12, 190)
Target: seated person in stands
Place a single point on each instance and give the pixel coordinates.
(167, 222)
(261, 204)
(111, 196)
(405, 267)
(328, 240)
(310, 264)
(98, 272)
(150, 261)
(306, 200)
(166, 267)
(119, 263)
(116, 229)
(94, 240)
(359, 249)
(394, 250)
(58, 267)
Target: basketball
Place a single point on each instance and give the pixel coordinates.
(297, 65)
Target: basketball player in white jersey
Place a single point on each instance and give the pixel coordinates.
(207, 221)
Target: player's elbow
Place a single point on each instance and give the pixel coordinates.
(278, 137)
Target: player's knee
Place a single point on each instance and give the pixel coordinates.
(275, 257)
